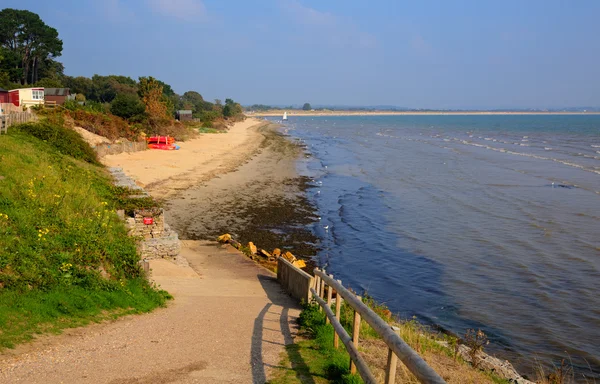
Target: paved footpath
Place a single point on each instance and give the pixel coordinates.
(229, 323)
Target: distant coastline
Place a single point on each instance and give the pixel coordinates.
(279, 112)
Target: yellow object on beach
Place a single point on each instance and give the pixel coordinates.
(224, 238)
(299, 264)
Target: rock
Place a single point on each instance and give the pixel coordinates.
(276, 252)
(265, 253)
(299, 264)
(224, 238)
(252, 247)
(289, 257)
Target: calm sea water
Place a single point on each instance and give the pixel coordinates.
(488, 222)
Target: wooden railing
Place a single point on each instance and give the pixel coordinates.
(397, 348)
(294, 280)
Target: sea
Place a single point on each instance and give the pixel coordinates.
(487, 222)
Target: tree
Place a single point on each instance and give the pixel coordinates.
(306, 107)
(79, 85)
(127, 106)
(193, 97)
(158, 106)
(29, 42)
(231, 108)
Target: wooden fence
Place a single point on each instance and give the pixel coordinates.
(116, 148)
(294, 280)
(397, 348)
(14, 118)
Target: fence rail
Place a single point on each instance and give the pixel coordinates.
(14, 118)
(397, 348)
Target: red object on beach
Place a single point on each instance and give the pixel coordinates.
(148, 220)
(162, 146)
(160, 140)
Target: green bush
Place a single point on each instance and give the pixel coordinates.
(127, 106)
(65, 140)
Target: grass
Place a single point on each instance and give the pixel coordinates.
(313, 358)
(25, 314)
(65, 257)
(209, 130)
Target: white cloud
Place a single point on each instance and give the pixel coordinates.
(188, 10)
(329, 28)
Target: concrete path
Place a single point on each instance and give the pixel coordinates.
(229, 323)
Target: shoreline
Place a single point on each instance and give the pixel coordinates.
(244, 182)
(256, 195)
(276, 113)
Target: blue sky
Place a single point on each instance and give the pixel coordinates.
(420, 54)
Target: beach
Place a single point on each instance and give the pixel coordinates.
(163, 173)
(243, 182)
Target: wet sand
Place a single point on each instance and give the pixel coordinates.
(243, 182)
(261, 201)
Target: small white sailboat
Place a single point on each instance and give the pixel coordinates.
(284, 116)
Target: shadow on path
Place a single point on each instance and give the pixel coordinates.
(279, 300)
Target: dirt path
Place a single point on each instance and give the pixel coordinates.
(229, 323)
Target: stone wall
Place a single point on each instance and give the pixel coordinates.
(165, 247)
(158, 240)
(139, 228)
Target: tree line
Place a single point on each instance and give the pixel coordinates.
(28, 57)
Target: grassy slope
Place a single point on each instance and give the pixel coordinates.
(313, 358)
(59, 240)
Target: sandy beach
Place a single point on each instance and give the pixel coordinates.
(243, 182)
(163, 173)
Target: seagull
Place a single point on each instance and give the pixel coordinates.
(318, 192)
(326, 227)
(319, 218)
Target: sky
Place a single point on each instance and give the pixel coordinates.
(414, 54)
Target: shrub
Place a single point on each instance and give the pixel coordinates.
(65, 140)
(107, 125)
(127, 106)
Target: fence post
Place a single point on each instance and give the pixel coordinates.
(318, 289)
(390, 371)
(329, 296)
(355, 334)
(338, 310)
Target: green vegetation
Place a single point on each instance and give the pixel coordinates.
(65, 257)
(314, 356)
(127, 108)
(27, 48)
(306, 107)
(66, 141)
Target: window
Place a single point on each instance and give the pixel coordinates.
(37, 95)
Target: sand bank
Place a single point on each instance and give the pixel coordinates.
(163, 173)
